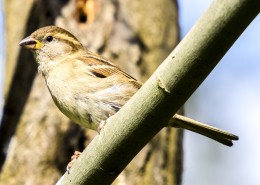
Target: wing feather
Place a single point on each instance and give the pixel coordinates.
(102, 68)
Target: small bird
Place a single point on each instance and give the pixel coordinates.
(88, 88)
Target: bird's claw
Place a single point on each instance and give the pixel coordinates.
(74, 157)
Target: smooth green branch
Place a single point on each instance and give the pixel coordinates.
(162, 95)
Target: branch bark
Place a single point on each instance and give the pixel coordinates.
(174, 81)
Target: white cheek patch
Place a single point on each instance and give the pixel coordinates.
(56, 50)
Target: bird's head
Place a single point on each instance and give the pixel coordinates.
(51, 42)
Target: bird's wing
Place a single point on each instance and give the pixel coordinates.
(102, 68)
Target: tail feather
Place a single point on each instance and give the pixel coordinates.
(217, 134)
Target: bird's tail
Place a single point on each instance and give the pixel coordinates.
(217, 134)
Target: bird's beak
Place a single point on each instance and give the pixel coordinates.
(30, 43)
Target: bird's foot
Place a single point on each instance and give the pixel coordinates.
(74, 157)
(102, 124)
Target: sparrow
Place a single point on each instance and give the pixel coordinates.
(88, 88)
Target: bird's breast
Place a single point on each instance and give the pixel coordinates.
(66, 97)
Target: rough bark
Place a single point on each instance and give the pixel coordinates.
(136, 35)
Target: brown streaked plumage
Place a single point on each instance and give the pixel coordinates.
(88, 88)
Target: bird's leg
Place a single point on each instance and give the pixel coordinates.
(103, 123)
(74, 157)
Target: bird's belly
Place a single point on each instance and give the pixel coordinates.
(88, 104)
(68, 103)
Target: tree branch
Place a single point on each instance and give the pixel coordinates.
(161, 96)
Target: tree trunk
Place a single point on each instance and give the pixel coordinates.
(136, 35)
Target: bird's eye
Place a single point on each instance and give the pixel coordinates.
(49, 38)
